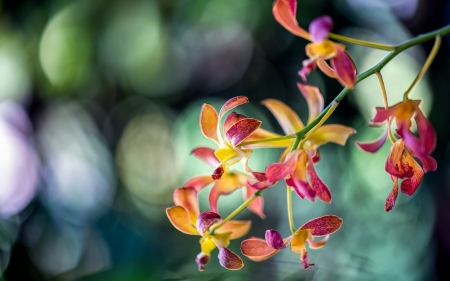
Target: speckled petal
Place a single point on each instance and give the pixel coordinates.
(392, 198)
(205, 220)
(232, 103)
(229, 260)
(274, 239)
(323, 225)
(241, 130)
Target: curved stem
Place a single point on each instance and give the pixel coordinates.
(237, 211)
(361, 42)
(289, 208)
(386, 104)
(426, 65)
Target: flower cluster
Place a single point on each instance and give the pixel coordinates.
(237, 135)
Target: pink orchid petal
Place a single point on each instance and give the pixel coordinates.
(345, 68)
(286, 117)
(302, 188)
(199, 182)
(225, 185)
(260, 185)
(305, 261)
(274, 239)
(396, 165)
(209, 121)
(229, 260)
(326, 68)
(187, 198)
(320, 27)
(309, 66)
(201, 260)
(319, 187)
(317, 244)
(259, 176)
(429, 164)
(324, 225)
(232, 103)
(427, 134)
(236, 227)
(278, 171)
(206, 154)
(412, 142)
(314, 99)
(256, 249)
(410, 185)
(242, 130)
(205, 220)
(375, 145)
(284, 12)
(392, 198)
(231, 119)
(257, 205)
(179, 217)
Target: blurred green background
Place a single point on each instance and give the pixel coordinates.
(99, 108)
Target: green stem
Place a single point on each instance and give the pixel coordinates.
(361, 42)
(289, 208)
(237, 211)
(267, 140)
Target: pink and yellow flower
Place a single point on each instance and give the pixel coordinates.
(320, 49)
(186, 217)
(236, 127)
(257, 249)
(298, 165)
(229, 182)
(400, 163)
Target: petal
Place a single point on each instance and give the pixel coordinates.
(199, 182)
(221, 239)
(314, 99)
(286, 117)
(329, 133)
(187, 198)
(426, 132)
(302, 188)
(396, 165)
(299, 240)
(237, 228)
(375, 145)
(305, 260)
(410, 185)
(274, 239)
(179, 218)
(326, 68)
(242, 130)
(322, 226)
(225, 185)
(232, 119)
(257, 205)
(309, 66)
(261, 134)
(217, 173)
(323, 50)
(201, 260)
(284, 12)
(209, 121)
(260, 185)
(345, 68)
(207, 155)
(278, 171)
(390, 200)
(205, 220)
(256, 249)
(317, 184)
(207, 245)
(227, 154)
(232, 103)
(320, 27)
(317, 244)
(229, 260)
(428, 164)
(412, 142)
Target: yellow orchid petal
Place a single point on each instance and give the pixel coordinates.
(221, 239)
(314, 99)
(325, 49)
(226, 154)
(261, 134)
(286, 117)
(329, 133)
(179, 217)
(209, 120)
(207, 245)
(299, 240)
(326, 68)
(237, 228)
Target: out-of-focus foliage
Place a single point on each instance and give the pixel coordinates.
(99, 108)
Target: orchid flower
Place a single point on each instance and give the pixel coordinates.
(229, 182)
(400, 163)
(320, 49)
(236, 127)
(296, 165)
(257, 249)
(186, 217)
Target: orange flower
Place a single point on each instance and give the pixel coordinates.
(320, 49)
(186, 217)
(257, 249)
